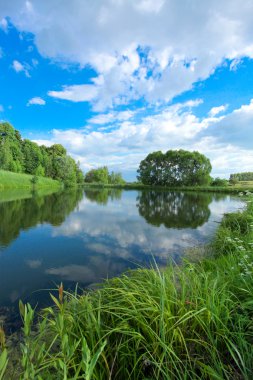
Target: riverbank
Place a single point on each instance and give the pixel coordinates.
(188, 322)
(10, 180)
(230, 189)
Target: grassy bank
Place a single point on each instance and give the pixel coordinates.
(230, 189)
(10, 180)
(188, 322)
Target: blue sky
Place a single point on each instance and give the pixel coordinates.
(117, 79)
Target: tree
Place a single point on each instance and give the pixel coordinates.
(32, 156)
(100, 175)
(65, 168)
(40, 171)
(116, 178)
(175, 168)
(219, 182)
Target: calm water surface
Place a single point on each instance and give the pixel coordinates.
(86, 236)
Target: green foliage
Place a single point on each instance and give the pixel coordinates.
(40, 171)
(102, 176)
(219, 182)
(32, 156)
(3, 363)
(116, 179)
(245, 176)
(25, 156)
(175, 168)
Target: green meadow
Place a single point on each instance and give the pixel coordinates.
(10, 180)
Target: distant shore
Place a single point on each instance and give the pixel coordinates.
(232, 189)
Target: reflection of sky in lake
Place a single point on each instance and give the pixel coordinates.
(98, 240)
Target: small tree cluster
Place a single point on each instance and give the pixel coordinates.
(24, 156)
(175, 168)
(219, 182)
(102, 175)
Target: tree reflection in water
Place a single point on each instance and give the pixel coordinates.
(175, 209)
(102, 196)
(23, 214)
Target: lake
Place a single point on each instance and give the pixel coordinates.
(85, 236)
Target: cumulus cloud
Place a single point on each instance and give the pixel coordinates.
(76, 93)
(19, 67)
(236, 127)
(37, 101)
(146, 49)
(173, 127)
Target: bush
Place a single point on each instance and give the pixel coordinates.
(219, 182)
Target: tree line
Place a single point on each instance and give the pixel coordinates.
(25, 156)
(245, 176)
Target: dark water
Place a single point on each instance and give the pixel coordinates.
(86, 236)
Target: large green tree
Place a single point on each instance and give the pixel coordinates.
(175, 168)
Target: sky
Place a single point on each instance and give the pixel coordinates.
(113, 80)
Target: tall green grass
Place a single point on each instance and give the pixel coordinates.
(10, 180)
(189, 322)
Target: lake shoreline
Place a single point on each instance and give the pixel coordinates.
(195, 319)
(230, 189)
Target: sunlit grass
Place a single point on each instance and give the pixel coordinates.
(10, 180)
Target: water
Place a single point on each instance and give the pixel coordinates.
(86, 236)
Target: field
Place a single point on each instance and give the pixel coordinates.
(10, 180)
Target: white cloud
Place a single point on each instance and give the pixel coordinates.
(236, 127)
(217, 110)
(19, 67)
(173, 127)
(4, 24)
(37, 101)
(150, 5)
(112, 117)
(44, 142)
(146, 49)
(76, 93)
